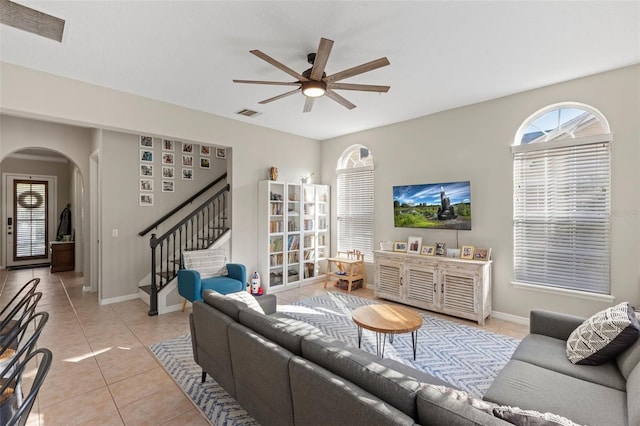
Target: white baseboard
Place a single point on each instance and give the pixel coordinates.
(118, 299)
(509, 317)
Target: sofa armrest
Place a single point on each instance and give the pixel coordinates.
(269, 303)
(553, 324)
(237, 271)
(189, 285)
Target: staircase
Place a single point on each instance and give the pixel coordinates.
(206, 225)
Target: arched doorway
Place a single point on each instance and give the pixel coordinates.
(37, 185)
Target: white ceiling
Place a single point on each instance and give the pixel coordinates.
(443, 54)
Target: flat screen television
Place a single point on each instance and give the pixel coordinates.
(445, 205)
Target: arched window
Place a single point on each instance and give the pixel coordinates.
(562, 199)
(355, 201)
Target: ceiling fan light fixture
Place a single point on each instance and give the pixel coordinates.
(314, 89)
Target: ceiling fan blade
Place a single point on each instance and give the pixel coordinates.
(322, 56)
(284, 95)
(31, 20)
(339, 99)
(275, 83)
(278, 65)
(369, 66)
(363, 87)
(308, 104)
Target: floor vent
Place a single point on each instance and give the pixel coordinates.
(31, 20)
(248, 113)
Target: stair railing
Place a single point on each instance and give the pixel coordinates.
(198, 230)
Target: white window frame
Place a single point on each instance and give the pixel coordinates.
(355, 203)
(575, 263)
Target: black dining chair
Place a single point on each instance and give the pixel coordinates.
(13, 307)
(22, 311)
(15, 404)
(15, 345)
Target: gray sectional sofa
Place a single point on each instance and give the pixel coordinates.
(286, 372)
(540, 377)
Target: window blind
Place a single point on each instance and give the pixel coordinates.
(30, 219)
(562, 200)
(355, 211)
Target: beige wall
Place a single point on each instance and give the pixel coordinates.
(466, 143)
(37, 95)
(473, 143)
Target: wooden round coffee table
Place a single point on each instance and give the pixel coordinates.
(386, 319)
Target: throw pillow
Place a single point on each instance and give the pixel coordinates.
(518, 416)
(603, 336)
(209, 263)
(247, 299)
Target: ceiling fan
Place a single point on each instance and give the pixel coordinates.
(314, 82)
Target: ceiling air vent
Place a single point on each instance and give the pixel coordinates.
(248, 113)
(31, 20)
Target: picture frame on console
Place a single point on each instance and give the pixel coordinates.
(428, 250)
(466, 252)
(414, 244)
(441, 249)
(400, 246)
(482, 254)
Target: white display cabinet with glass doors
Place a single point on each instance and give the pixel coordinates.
(293, 234)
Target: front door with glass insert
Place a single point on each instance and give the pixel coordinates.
(30, 216)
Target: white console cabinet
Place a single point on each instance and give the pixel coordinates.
(457, 287)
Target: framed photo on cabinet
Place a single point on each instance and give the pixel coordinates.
(428, 250)
(466, 252)
(400, 246)
(414, 244)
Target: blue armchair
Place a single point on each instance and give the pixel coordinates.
(190, 286)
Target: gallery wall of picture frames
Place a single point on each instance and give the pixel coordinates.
(176, 159)
(414, 245)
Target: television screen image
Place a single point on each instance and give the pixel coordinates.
(433, 205)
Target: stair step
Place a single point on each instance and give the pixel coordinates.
(166, 274)
(145, 288)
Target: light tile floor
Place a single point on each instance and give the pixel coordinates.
(103, 372)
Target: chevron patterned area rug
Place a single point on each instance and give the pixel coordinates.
(465, 356)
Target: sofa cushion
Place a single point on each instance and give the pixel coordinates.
(287, 332)
(604, 335)
(442, 405)
(518, 416)
(227, 306)
(247, 299)
(387, 379)
(209, 263)
(531, 387)
(261, 376)
(550, 353)
(629, 359)
(324, 398)
(633, 396)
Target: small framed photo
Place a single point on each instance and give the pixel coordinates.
(453, 253)
(146, 184)
(187, 161)
(441, 249)
(146, 141)
(414, 244)
(168, 186)
(466, 252)
(400, 246)
(168, 158)
(482, 254)
(146, 200)
(187, 147)
(167, 172)
(168, 145)
(205, 163)
(146, 170)
(146, 156)
(187, 174)
(205, 151)
(428, 250)
(221, 153)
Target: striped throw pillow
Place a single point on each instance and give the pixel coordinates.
(210, 263)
